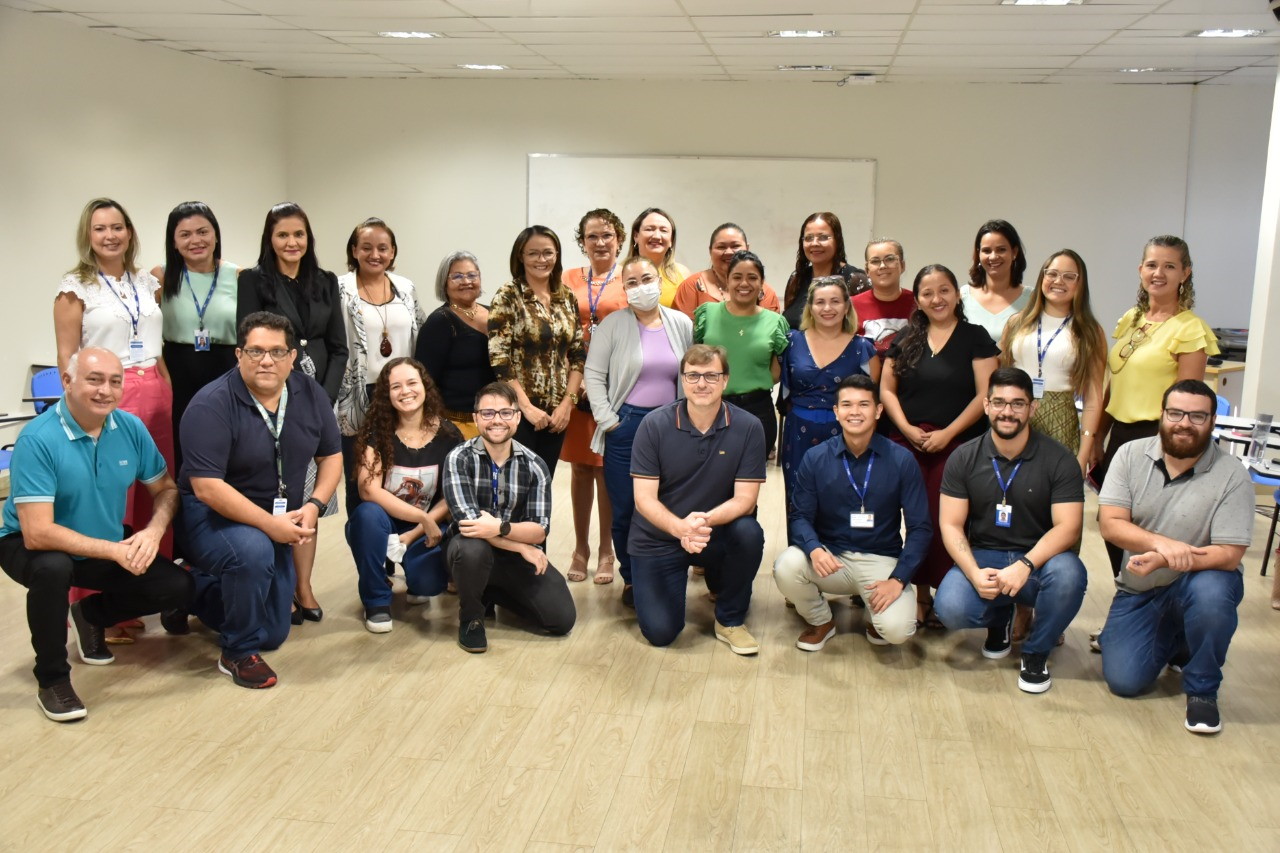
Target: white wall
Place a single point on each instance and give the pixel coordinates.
(1096, 168)
(89, 114)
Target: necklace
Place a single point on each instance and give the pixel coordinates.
(384, 348)
(469, 313)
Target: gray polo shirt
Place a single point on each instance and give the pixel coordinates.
(696, 471)
(1212, 504)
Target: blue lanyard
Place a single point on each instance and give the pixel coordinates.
(592, 303)
(133, 318)
(1004, 487)
(866, 481)
(1041, 353)
(494, 482)
(213, 285)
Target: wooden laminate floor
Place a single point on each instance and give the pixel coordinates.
(597, 741)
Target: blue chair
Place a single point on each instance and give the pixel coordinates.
(45, 383)
(1224, 406)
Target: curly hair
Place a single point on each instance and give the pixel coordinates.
(380, 420)
(1186, 290)
(606, 216)
(915, 337)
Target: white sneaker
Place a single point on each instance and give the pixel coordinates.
(739, 639)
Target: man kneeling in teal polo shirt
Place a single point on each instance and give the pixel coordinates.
(70, 476)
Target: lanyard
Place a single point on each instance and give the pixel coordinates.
(276, 431)
(592, 303)
(866, 481)
(1004, 487)
(1041, 353)
(213, 285)
(494, 471)
(133, 318)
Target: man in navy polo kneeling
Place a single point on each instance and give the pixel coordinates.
(247, 439)
(697, 465)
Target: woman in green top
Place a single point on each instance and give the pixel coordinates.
(754, 337)
(198, 304)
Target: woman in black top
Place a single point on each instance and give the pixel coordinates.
(288, 281)
(932, 385)
(819, 253)
(401, 446)
(453, 343)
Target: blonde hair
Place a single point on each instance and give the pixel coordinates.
(87, 268)
(850, 325)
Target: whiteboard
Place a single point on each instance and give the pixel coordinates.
(769, 197)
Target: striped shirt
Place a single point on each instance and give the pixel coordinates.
(524, 485)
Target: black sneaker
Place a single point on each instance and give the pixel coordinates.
(1202, 715)
(1034, 677)
(377, 620)
(999, 638)
(629, 596)
(175, 622)
(249, 671)
(91, 641)
(471, 637)
(60, 702)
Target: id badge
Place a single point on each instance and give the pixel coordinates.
(1037, 388)
(1004, 515)
(279, 506)
(136, 351)
(862, 520)
(591, 331)
(202, 340)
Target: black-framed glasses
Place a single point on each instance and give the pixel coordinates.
(709, 378)
(1137, 339)
(490, 414)
(256, 354)
(1175, 416)
(999, 404)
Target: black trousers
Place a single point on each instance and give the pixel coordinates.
(544, 442)
(1121, 434)
(191, 371)
(49, 576)
(760, 404)
(488, 575)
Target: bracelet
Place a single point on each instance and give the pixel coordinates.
(317, 503)
(1027, 560)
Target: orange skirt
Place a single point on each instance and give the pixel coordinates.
(577, 440)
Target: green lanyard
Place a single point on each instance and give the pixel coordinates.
(276, 431)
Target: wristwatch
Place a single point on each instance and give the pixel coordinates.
(1027, 560)
(504, 528)
(319, 504)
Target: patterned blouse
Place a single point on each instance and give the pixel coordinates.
(537, 348)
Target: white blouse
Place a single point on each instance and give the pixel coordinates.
(110, 310)
(1059, 356)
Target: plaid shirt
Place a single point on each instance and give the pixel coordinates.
(536, 347)
(524, 485)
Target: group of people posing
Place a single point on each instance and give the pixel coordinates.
(229, 406)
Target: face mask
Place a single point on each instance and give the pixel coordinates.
(644, 297)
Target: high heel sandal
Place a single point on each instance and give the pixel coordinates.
(604, 569)
(577, 568)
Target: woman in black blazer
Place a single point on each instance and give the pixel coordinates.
(288, 281)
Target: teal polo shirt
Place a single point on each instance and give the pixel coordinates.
(87, 481)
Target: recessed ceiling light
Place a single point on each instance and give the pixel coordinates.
(407, 35)
(484, 67)
(1135, 70)
(1039, 2)
(804, 68)
(1226, 34)
(801, 34)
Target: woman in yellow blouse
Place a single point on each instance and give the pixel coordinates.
(1158, 341)
(653, 237)
(535, 342)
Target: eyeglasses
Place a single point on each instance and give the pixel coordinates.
(1136, 340)
(886, 261)
(1054, 275)
(997, 404)
(810, 239)
(635, 282)
(255, 354)
(545, 254)
(460, 277)
(1175, 416)
(600, 238)
(709, 378)
(490, 414)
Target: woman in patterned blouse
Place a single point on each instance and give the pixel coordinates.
(535, 342)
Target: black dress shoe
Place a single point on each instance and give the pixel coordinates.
(309, 614)
(175, 622)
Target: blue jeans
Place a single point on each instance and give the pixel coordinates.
(1195, 614)
(617, 481)
(367, 531)
(1055, 590)
(731, 560)
(244, 581)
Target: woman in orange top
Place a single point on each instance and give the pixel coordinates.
(709, 285)
(598, 287)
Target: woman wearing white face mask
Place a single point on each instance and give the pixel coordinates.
(632, 368)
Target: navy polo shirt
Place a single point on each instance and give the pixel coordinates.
(224, 437)
(86, 480)
(822, 501)
(1049, 475)
(695, 471)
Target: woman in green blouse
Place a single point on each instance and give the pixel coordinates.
(754, 337)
